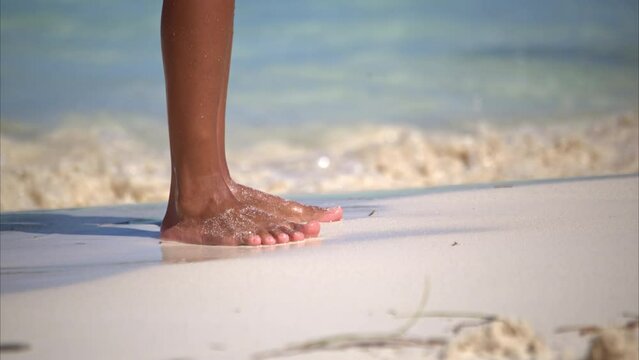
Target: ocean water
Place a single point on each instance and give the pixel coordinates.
(325, 96)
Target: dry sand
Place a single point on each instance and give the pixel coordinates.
(544, 255)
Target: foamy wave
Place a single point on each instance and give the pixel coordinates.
(106, 164)
(80, 166)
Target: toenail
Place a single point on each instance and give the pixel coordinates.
(254, 240)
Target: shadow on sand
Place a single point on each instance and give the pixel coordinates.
(59, 223)
(42, 249)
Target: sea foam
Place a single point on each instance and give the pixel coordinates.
(107, 163)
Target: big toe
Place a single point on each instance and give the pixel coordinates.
(331, 214)
(310, 229)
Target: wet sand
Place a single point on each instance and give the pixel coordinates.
(551, 253)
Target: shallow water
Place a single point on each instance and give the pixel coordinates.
(303, 61)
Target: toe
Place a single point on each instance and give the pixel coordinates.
(331, 214)
(310, 229)
(280, 236)
(297, 236)
(293, 234)
(267, 238)
(252, 240)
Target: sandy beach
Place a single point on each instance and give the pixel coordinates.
(485, 154)
(537, 256)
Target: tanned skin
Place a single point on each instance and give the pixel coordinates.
(205, 205)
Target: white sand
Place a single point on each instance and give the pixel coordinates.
(553, 254)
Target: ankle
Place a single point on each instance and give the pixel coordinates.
(205, 204)
(199, 196)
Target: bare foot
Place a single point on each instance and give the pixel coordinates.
(237, 225)
(291, 210)
(204, 206)
(243, 216)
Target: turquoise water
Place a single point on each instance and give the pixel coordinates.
(429, 63)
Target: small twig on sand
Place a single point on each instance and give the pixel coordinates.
(14, 347)
(482, 318)
(350, 341)
(393, 339)
(580, 329)
(593, 329)
(415, 318)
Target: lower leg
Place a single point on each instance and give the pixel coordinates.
(195, 46)
(205, 205)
